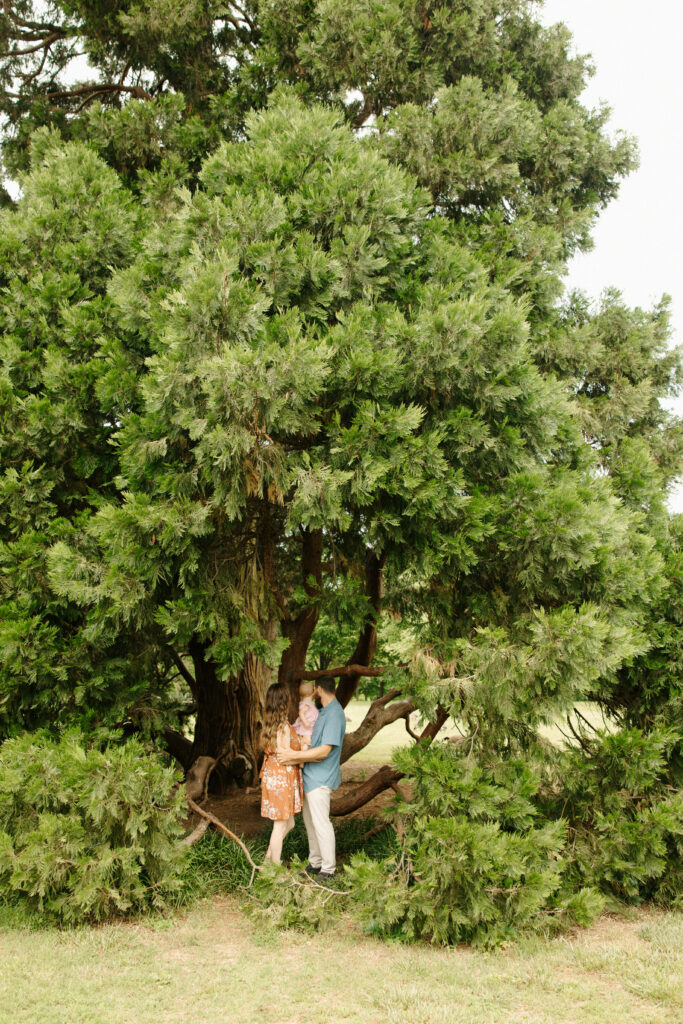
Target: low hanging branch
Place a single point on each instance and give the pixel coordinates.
(344, 670)
(367, 791)
(380, 713)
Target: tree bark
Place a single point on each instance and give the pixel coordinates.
(178, 746)
(372, 787)
(229, 716)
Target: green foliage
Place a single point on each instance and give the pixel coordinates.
(253, 345)
(65, 378)
(477, 863)
(87, 834)
(626, 818)
(287, 898)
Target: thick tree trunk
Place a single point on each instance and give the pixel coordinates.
(229, 716)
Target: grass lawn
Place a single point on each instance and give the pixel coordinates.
(212, 964)
(379, 750)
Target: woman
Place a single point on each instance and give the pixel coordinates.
(281, 785)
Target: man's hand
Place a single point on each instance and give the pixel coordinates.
(286, 755)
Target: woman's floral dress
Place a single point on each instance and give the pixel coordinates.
(282, 788)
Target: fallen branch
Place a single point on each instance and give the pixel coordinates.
(217, 823)
(197, 834)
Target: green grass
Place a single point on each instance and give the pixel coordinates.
(218, 867)
(211, 963)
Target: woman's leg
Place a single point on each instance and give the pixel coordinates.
(280, 830)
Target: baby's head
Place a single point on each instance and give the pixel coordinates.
(306, 689)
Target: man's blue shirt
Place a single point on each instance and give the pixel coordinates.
(329, 728)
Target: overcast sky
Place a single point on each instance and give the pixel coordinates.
(636, 49)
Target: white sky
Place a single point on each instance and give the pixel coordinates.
(636, 49)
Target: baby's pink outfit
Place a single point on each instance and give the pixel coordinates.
(308, 713)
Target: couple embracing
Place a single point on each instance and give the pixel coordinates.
(301, 768)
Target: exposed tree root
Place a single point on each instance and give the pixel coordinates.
(197, 781)
(197, 834)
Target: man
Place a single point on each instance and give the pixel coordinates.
(321, 775)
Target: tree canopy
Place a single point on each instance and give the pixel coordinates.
(286, 373)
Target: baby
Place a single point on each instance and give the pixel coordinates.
(308, 713)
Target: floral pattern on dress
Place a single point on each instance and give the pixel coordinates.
(282, 788)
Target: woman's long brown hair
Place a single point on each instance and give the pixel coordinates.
(276, 713)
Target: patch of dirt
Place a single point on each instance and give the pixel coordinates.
(240, 809)
(616, 928)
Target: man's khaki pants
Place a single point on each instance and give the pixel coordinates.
(316, 810)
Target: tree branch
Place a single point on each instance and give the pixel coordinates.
(380, 713)
(91, 91)
(184, 671)
(245, 17)
(37, 26)
(42, 44)
(386, 778)
(217, 823)
(342, 670)
(367, 791)
(196, 834)
(178, 746)
(408, 728)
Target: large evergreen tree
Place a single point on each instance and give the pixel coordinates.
(331, 373)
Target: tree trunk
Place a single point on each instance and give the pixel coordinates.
(229, 717)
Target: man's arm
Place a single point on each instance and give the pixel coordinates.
(289, 756)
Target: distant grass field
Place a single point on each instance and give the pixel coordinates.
(212, 964)
(380, 749)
